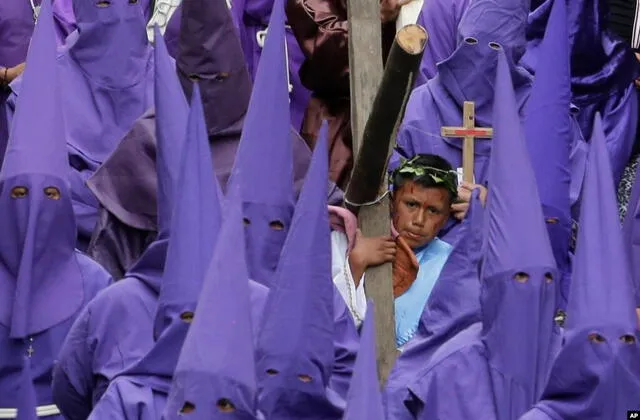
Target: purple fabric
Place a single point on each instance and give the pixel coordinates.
(46, 345)
(442, 17)
(549, 139)
(210, 52)
(603, 83)
(41, 284)
(252, 17)
(217, 359)
(454, 305)
(500, 366)
(27, 401)
(173, 113)
(114, 404)
(296, 333)
(597, 378)
(364, 400)
(631, 236)
(468, 74)
(86, 67)
(267, 166)
(17, 24)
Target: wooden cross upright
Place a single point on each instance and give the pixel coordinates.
(469, 132)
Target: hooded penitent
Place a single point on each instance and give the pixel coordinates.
(210, 52)
(603, 68)
(548, 136)
(597, 373)
(295, 351)
(41, 284)
(453, 305)
(467, 75)
(364, 401)
(265, 158)
(194, 231)
(44, 282)
(519, 274)
(216, 376)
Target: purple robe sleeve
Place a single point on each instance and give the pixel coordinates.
(346, 343)
(535, 414)
(468, 396)
(128, 400)
(72, 379)
(441, 18)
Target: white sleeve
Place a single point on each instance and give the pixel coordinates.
(341, 272)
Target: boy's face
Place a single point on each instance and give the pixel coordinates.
(419, 213)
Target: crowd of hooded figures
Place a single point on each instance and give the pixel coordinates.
(171, 247)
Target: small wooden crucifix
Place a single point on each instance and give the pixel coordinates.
(469, 132)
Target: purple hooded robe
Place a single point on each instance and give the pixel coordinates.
(44, 282)
(98, 347)
(441, 18)
(603, 68)
(295, 351)
(216, 369)
(140, 392)
(548, 131)
(496, 369)
(596, 375)
(107, 64)
(468, 74)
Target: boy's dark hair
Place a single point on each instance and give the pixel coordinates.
(426, 170)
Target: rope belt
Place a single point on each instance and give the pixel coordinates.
(42, 411)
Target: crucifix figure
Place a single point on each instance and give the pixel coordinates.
(469, 132)
(30, 349)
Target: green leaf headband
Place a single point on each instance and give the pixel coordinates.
(412, 169)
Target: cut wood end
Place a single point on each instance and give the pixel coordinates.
(412, 38)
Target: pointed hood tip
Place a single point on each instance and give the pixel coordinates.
(513, 203)
(172, 111)
(223, 311)
(593, 299)
(195, 225)
(38, 148)
(364, 399)
(256, 156)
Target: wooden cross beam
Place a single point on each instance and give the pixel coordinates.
(377, 106)
(469, 132)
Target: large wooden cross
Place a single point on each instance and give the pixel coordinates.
(469, 132)
(377, 105)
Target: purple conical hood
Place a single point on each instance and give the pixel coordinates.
(295, 346)
(38, 148)
(171, 121)
(364, 400)
(265, 157)
(549, 137)
(602, 292)
(27, 401)
(210, 51)
(519, 274)
(41, 284)
(501, 21)
(597, 373)
(217, 360)
(195, 226)
(264, 154)
(514, 212)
